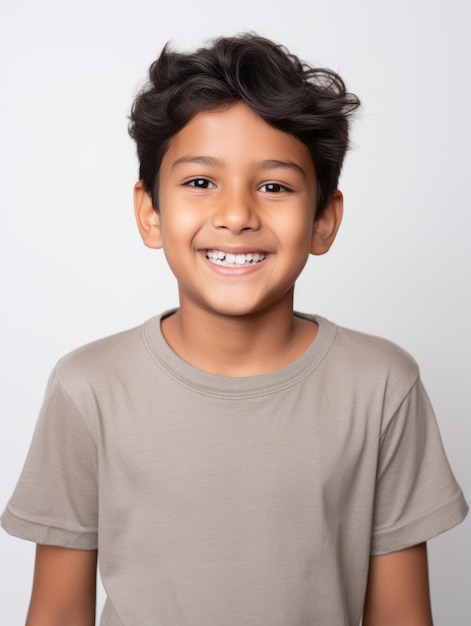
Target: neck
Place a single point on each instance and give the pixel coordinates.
(246, 345)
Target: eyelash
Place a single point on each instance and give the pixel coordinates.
(279, 188)
(194, 183)
(207, 184)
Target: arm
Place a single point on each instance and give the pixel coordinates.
(398, 592)
(64, 587)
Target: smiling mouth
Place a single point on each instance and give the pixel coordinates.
(234, 260)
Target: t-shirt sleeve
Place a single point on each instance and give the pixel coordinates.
(55, 500)
(416, 496)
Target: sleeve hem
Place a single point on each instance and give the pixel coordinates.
(48, 535)
(434, 523)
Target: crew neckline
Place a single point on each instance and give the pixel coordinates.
(206, 383)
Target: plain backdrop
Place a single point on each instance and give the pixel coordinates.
(73, 267)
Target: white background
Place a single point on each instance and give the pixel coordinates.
(73, 267)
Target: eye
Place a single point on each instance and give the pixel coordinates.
(200, 183)
(273, 188)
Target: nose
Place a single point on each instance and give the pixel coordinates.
(236, 211)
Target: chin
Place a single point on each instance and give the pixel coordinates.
(232, 309)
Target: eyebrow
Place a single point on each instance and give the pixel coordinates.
(271, 164)
(268, 164)
(203, 160)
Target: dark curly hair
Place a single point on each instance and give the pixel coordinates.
(311, 104)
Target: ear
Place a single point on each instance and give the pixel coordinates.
(326, 226)
(148, 220)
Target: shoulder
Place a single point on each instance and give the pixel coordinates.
(105, 359)
(372, 351)
(366, 360)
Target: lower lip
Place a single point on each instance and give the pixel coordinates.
(241, 270)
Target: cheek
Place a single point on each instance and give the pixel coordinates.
(178, 221)
(295, 228)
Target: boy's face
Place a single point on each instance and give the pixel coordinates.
(237, 201)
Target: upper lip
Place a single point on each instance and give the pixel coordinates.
(235, 249)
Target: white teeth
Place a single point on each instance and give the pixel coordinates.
(233, 260)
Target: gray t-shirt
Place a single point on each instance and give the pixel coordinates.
(223, 501)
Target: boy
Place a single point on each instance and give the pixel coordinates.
(234, 462)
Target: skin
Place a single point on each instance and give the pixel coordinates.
(254, 191)
(230, 182)
(64, 587)
(398, 590)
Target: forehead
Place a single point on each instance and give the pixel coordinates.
(236, 134)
